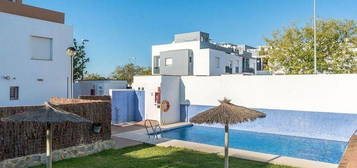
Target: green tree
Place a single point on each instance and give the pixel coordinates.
(128, 71)
(292, 49)
(79, 60)
(94, 76)
(145, 71)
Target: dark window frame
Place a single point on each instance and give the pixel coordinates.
(14, 92)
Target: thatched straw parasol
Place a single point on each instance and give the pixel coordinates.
(48, 115)
(227, 113)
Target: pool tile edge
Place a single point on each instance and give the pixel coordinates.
(248, 155)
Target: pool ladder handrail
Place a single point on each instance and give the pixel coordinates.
(153, 128)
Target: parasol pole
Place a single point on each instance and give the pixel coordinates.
(226, 144)
(49, 145)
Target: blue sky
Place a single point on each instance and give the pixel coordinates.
(119, 29)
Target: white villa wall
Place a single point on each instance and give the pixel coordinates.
(199, 62)
(170, 91)
(320, 93)
(15, 54)
(83, 88)
(150, 85)
(204, 62)
(114, 85)
(224, 61)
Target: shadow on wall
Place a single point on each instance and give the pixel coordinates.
(321, 125)
(128, 105)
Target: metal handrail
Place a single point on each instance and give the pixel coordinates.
(153, 128)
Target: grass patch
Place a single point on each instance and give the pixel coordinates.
(148, 156)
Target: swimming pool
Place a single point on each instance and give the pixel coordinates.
(298, 147)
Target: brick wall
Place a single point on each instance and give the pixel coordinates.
(20, 139)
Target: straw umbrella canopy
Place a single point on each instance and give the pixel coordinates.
(48, 115)
(227, 113)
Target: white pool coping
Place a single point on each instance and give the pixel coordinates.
(140, 135)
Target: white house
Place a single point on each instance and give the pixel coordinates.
(97, 87)
(33, 62)
(194, 54)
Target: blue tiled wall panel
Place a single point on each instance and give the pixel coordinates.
(140, 104)
(127, 105)
(322, 125)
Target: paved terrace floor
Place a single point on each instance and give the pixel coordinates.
(122, 128)
(137, 134)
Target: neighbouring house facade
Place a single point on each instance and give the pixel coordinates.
(97, 87)
(194, 54)
(33, 62)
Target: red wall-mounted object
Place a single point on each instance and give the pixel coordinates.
(158, 96)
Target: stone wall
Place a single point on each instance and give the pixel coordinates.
(61, 154)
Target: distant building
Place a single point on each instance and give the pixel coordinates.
(260, 53)
(34, 65)
(194, 54)
(97, 87)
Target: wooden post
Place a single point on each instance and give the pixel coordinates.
(49, 145)
(226, 145)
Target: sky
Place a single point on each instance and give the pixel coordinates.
(118, 30)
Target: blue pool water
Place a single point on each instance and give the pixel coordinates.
(299, 147)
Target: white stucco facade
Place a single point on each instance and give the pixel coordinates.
(37, 79)
(318, 93)
(208, 59)
(151, 84)
(97, 87)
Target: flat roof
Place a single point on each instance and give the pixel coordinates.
(17, 8)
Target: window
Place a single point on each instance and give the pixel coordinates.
(12, 0)
(259, 64)
(168, 61)
(245, 64)
(92, 92)
(14, 93)
(190, 60)
(156, 61)
(218, 62)
(237, 67)
(41, 48)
